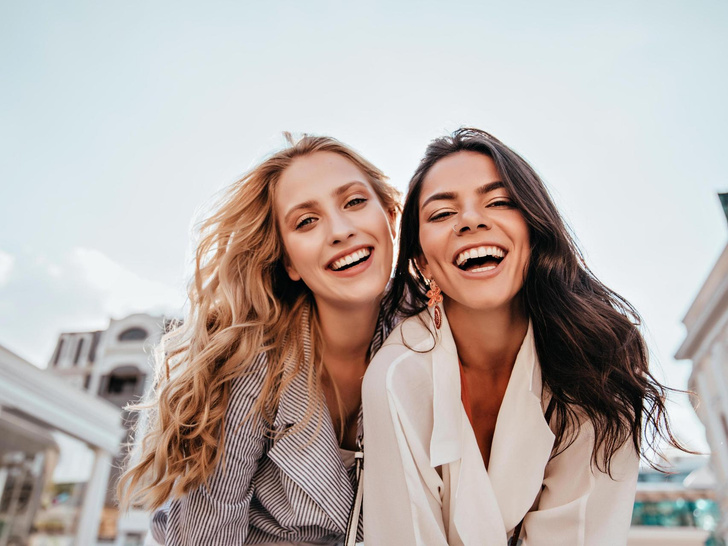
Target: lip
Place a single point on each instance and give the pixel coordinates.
(476, 245)
(352, 271)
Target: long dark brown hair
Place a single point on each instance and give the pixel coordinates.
(593, 358)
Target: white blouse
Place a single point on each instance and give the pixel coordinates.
(425, 482)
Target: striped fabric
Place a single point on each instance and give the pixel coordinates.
(292, 489)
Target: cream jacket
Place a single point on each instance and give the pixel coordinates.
(425, 482)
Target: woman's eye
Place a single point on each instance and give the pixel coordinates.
(354, 202)
(502, 203)
(440, 215)
(305, 222)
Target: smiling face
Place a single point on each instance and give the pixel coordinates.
(337, 235)
(475, 242)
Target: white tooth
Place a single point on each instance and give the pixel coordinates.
(472, 253)
(483, 251)
(349, 259)
(462, 257)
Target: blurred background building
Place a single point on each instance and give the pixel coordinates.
(675, 509)
(64, 434)
(115, 365)
(45, 427)
(706, 345)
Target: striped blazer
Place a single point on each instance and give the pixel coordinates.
(293, 488)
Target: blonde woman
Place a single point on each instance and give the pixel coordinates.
(256, 414)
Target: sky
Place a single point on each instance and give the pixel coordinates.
(121, 121)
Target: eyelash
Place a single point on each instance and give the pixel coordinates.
(351, 203)
(441, 215)
(305, 222)
(359, 201)
(503, 202)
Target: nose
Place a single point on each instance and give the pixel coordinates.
(472, 219)
(341, 228)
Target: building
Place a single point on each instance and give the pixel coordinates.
(40, 416)
(706, 344)
(116, 365)
(677, 508)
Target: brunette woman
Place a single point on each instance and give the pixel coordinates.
(512, 401)
(256, 411)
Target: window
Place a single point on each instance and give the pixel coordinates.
(122, 385)
(125, 384)
(133, 334)
(59, 348)
(79, 347)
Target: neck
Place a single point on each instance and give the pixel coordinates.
(488, 340)
(347, 332)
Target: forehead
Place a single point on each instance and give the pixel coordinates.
(315, 176)
(459, 172)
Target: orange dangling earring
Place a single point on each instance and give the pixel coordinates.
(435, 296)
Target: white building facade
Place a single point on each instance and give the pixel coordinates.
(36, 412)
(706, 344)
(116, 365)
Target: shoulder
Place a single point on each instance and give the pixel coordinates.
(246, 386)
(404, 360)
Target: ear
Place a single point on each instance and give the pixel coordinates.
(292, 271)
(392, 216)
(422, 266)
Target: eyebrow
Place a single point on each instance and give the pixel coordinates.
(312, 203)
(450, 196)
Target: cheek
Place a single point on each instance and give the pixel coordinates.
(297, 252)
(432, 244)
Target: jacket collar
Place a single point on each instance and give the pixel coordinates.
(310, 455)
(521, 427)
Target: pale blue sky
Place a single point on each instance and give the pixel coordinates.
(119, 120)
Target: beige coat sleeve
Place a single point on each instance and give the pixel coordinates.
(402, 504)
(580, 505)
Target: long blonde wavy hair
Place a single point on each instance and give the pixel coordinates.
(242, 302)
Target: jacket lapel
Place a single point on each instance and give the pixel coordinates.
(521, 430)
(511, 484)
(446, 444)
(310, 455)
(474, 509)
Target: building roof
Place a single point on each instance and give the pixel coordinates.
(709, 306)
(49, 400)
